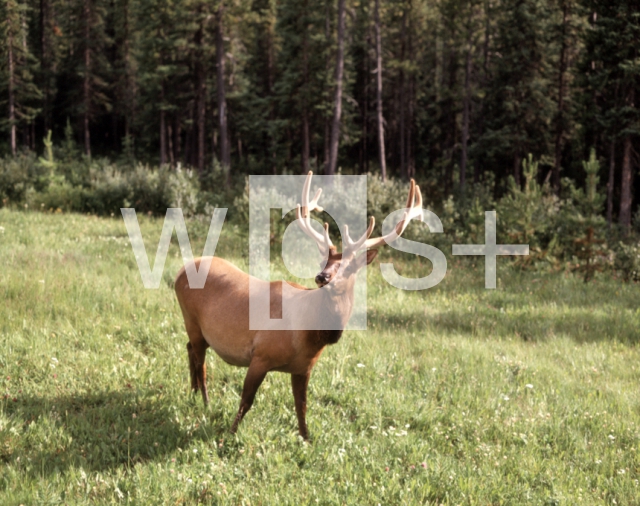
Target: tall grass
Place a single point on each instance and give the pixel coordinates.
(457, 395)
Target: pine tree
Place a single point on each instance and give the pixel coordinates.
(337, 98)
(166, 88)
(255, 107)
(85, 70)
(612, 80)
(225, 152)
(470, 35)
(18, 66)
(125, 84)
(519, 108)
(566, 37)
(380, 117)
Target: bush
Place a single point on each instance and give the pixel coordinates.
(562, 231)
(15, 176)
(107, 189)
(627, 261)
(58, 196)
(67, 180)
(384, 197)
(529, 216)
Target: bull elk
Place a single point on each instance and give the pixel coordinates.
(217, 315)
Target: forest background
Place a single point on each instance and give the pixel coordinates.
(527, 106)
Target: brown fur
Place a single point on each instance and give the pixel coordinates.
(217, 316)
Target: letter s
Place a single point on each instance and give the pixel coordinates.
(432, 253)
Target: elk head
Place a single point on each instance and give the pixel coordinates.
(341, 268)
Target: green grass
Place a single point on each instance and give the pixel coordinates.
(457, 395)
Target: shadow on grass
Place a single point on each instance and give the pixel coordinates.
(583, 325)
(102, 430)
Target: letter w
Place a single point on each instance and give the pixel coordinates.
(173, 219)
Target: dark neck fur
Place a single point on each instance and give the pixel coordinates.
(322, 338)
(329, 336)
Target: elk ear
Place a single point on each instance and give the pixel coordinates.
(365, 259)
(371, 254)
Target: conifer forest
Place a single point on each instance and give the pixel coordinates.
(456, 92)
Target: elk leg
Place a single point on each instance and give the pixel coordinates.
(201, 374)
(192, 368)
(299, 383)
(202, 380)
(252, 381)
(197, 350)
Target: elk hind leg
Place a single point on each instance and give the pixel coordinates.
(192, 367)
(197, 351)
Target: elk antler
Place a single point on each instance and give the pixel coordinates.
(413, 210)
(303, 215)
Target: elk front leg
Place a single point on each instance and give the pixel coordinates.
(299, 383)
(252, 381)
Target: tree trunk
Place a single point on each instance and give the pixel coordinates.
(611, 182)
(44, 63)
(178, 136)
(411, 165)
(201, 92)
(170, 142)
(163, 128)
(403, 96)
(450, 112)
(364, 161)
(272, 112)
(214, 137)
(625, 186)
(87, 82)
(484, 80)
(337, 100)
(560, 118)
(188, 142)
(305, 141)
(327, 121)
(12, 99)
(129, 92)
(465, 114)
(627, 174)
(225, 156)
(381, 153)
(411, 162)
(305, 92)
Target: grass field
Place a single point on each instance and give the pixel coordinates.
(528, 394)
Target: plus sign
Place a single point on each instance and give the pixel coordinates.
(490, 249)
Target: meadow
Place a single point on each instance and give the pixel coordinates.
(527, 394)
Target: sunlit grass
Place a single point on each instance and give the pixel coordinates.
(456, 395)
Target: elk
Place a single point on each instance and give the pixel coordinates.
(217, 315)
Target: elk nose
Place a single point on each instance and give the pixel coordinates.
(321, 279)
